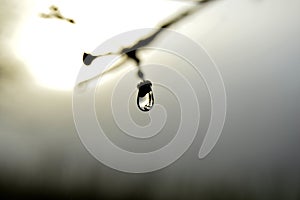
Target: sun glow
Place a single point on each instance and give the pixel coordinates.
(52, 49)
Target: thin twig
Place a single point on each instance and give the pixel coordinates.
(131, 51)
(55, 13)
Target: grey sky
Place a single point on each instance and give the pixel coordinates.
(256, 46)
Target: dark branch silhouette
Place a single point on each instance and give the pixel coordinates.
(131, 51)
(55, 13)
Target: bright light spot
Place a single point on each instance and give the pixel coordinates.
(52, 49)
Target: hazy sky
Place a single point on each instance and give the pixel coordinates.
(256, 46)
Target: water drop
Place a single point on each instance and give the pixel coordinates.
(145, 99)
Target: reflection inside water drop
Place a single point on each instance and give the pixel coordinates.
(145, 99)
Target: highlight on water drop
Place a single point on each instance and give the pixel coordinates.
(145, 98)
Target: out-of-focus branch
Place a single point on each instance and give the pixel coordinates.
(55, 13)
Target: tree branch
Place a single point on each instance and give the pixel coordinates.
(131, 51)
(55, 13)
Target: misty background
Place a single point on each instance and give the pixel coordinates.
(255, 44)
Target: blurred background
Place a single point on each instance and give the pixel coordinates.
(255, 44)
